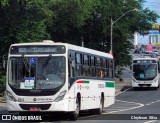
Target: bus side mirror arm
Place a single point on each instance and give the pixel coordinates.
(5, 56)
(4, 64)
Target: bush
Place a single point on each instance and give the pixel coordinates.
(2, 83)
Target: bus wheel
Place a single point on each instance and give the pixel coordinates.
(135, 89)
(74, 115)
(155, 88)
(100, 109)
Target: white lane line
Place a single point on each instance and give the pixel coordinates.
(128, 102)
(150, 121)
(139, 106)
(115, 109)
(153, 102)
(123, 91)
(118, 108)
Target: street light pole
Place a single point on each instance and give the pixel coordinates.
(112, 23)
(111, 35)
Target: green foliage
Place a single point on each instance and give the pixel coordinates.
(74, 21)
(23, 21)
(3, 83)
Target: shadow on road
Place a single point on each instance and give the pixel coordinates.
(142, 89)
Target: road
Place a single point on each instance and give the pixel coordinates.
(128, 106)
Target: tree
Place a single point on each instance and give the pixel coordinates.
(23, 21)
(89, 21)
(74, 21)
(70, 17)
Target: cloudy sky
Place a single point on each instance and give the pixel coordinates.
(153, 5)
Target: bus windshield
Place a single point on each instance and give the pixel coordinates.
(36, 72)
(144, 71)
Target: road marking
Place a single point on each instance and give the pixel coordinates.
(123, 91)
(140, 105)
(117, 107)
(153, 102)
(150, 121)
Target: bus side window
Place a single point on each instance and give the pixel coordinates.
(92, 66)
(85, 65)
(78, 64)
(110, 68)
(103, 68)
(107, 69)
(71, 65)
(98, 67)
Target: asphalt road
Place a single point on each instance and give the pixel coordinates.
(129, 106)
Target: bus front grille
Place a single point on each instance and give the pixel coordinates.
(148, 85)
(41, 106)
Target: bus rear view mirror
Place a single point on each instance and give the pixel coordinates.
(5, 56)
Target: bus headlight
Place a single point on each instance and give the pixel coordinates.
(134, 80)
(60, 96)
(10, 96)
(155, 80)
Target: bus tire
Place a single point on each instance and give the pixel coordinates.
(100, 109)
(75, 114)
(155, 88)
(135, 88)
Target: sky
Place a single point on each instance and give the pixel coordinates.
(153, 5)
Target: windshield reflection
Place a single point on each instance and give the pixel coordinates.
(37, 72)
(144, 71)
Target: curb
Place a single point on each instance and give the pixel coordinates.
(2, 99)
(122, 86)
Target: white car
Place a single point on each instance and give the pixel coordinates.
(156, 52)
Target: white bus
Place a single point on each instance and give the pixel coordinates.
(145, 72)
(59, 77)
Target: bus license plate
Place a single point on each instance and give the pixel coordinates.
(34, 109)
(144, 85)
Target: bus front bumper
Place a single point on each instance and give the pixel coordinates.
(61, 106)
(144, 84)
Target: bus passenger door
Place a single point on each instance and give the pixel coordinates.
(71, 79)
(71, 68)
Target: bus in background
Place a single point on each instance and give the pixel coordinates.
(59, 77)
(145, 72)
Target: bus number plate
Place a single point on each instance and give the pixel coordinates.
(34, 109)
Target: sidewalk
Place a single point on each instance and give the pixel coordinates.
(121, 85)
(2, 100)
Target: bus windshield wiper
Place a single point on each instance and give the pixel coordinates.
(147, 68)
(25, 62)
(47, 61)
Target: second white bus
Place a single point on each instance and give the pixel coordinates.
(145, 72)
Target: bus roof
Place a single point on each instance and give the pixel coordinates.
(69, 46)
